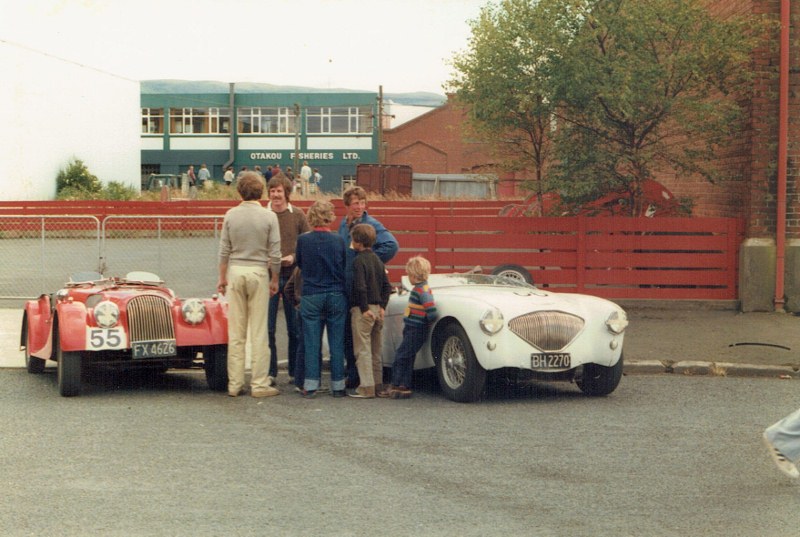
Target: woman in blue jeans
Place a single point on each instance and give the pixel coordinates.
(321, 257)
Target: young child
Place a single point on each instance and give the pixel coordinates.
(368, 295)
(420, 313)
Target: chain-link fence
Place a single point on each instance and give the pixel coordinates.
(38, 253)
(180, 249)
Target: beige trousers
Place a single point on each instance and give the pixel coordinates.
(248, 295)
(368, 345)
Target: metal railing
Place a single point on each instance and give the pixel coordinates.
(181, 249)
(38, 253)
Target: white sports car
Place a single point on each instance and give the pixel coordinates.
(489, 323)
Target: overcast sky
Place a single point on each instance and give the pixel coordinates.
(403, 45)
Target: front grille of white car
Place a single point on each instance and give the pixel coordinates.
(150, 319)
(547, 330)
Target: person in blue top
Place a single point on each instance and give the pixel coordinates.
(320, 254)
(385, 247)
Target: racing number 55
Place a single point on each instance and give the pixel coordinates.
(105, 338)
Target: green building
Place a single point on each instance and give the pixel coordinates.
(220, 125)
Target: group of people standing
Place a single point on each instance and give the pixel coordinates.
(329, 280)
(200, 177)
(307, 182)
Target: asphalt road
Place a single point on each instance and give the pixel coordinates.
(662, 456)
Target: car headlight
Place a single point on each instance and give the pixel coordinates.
(193, 311)
(491, 321)
(106, 314)
(617, 322)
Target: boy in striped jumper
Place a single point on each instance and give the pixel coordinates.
(420, 313)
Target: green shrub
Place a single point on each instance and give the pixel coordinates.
(119, 192)
(76, 177)
(73, 193)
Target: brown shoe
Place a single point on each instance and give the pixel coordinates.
(400, 392)
(362, 392)
(236, 393)
(385, 393)
(269, 391)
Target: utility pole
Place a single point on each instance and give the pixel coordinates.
(380, 124)
(296, 168)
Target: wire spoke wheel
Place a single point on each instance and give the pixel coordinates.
(461, 376)
(454, 360)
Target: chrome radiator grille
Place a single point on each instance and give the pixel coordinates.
(547, 330)
(150, 319)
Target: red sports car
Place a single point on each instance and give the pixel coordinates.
(124, 322)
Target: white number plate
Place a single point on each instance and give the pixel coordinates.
(105, 339)
(551, 360)
(154, 349)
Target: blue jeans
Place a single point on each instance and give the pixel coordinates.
(272, 320)
(320, 311)
(403, 366)
(351, 371)
(299, 359)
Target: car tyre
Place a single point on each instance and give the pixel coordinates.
(215, 363)
(461, 377)
(34, 365)
(515, 272)
(598, 380)
(69, 370)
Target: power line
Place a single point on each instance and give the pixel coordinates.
(49, 55)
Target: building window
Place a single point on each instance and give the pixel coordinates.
(199, 120)
(152, 121)
(339, 120)
(266, 120)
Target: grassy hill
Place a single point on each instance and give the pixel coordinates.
(420, 98)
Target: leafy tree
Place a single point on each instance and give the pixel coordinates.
(76, 178)
(499, 79)
(635, 85)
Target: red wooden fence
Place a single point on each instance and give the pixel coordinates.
(612, 257)
(660, 258)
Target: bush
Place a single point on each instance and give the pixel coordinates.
(73, 193)
(119, 192)
(75, 178)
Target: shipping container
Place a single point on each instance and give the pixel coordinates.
(383, 179)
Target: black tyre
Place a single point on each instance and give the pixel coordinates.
(461, 377)
(598, 380)
(69, 369)
(34, 365)
(215, 363)
(515, 272)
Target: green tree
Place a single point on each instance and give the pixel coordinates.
(635, 86)
(499, 80)
(76, 179)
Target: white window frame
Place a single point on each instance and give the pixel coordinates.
(216, 119)
(151, 118)
(260, 118)
(357, 119)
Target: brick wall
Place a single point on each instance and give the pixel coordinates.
(435, 143)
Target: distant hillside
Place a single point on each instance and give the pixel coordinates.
(420, 98)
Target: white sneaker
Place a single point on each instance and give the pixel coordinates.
(784, 465)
